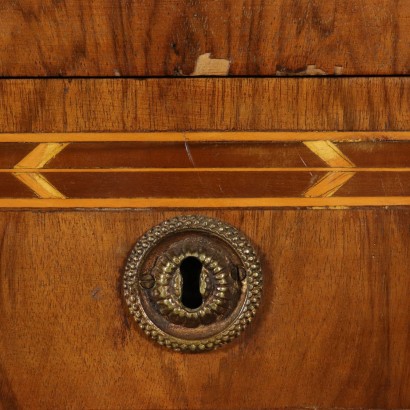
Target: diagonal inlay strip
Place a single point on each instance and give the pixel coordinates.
(40, 185)
(328, 152)
(328, 185)
(37, 159)
(41, 154)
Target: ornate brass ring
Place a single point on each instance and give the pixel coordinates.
(193, 283)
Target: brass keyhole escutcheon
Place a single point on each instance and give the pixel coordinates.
(193, 283)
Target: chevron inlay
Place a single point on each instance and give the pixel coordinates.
(37, 159)
(332, 181)
(205, 169)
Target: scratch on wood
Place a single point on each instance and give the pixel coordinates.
(304, 163)
(205, 65)
(191, 160)
(188, 152)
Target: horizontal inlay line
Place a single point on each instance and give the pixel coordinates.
(350, 136)
(331, 202)
(221, 169)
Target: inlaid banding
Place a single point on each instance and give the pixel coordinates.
(235, 172)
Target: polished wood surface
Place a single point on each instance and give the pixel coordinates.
(332, 330)
(205, 104)
(206, 154)
(187, 170)
(207, 136)
(301, 141)
(167, 37)
(214, 184)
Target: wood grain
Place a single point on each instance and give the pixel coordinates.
(10, 189)
(332, 331)
(218, 184)
(208, 136)
(166, 37)
(226, 155)
(203, 154)
(175, 155)
(208, 170)
(11, 153)
(197, 104)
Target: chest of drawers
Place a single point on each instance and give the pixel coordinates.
(287, 120)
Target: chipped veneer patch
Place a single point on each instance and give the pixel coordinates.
(205, 65)
(310, 70)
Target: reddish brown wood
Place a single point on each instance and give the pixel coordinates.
(166, 37)
(207, 169)
(377, 184)
(380, 154)
(11, 154)
(252, 104)
(190, 154)
(184, 155)
(209, 184)
(218, 184)
(11, 188)
(332, 330)
(225, 155)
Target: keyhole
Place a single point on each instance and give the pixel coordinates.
(190, 269)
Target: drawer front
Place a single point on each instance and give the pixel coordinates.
(332, 329)
(327, 211)
(288, 121)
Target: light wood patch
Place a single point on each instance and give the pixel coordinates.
(41, 187)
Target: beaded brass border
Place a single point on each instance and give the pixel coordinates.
(252, 280)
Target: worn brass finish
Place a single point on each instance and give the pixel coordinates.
(230, 283)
